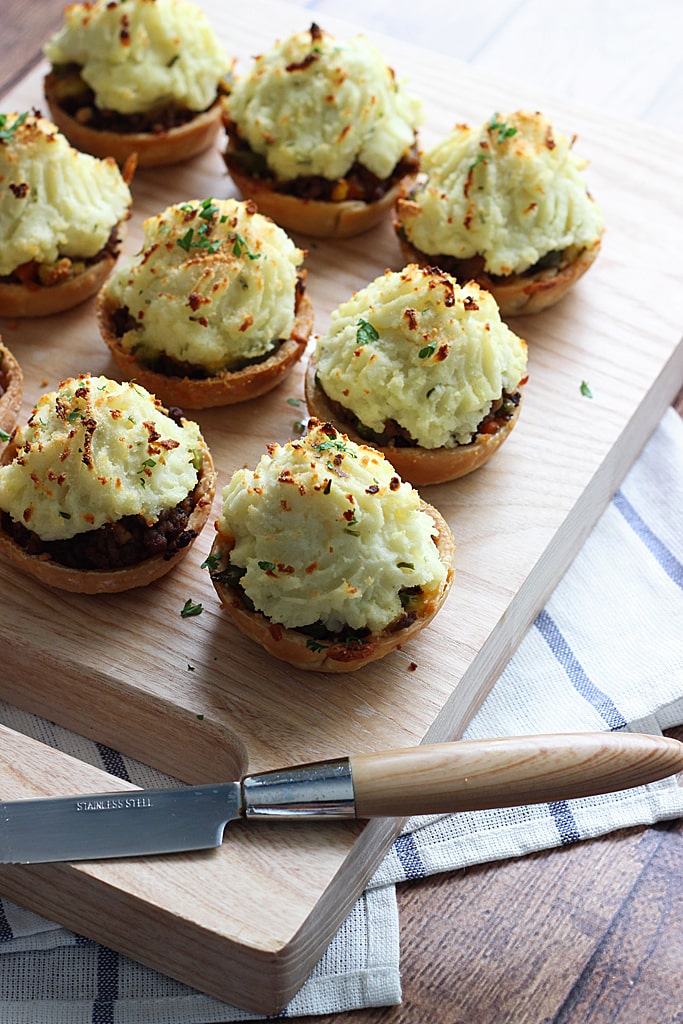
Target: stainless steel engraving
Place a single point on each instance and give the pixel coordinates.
(116, 824)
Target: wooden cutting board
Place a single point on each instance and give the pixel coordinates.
(192, 697)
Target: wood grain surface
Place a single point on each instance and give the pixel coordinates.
(443, 778)
(562, 983)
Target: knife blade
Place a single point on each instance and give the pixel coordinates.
(429, 779)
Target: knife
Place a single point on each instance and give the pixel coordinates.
(430, 779)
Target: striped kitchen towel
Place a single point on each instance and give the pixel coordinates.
(605, 653)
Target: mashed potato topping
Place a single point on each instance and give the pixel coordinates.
(326, 531)
(94, 451)
(54, 200)
(213, 285)
(417, 348)
(140, 54)
(313, 106)
(511, 190)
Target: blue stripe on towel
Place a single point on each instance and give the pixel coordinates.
(564, 822)
(113, 762)
(666, 559)
(547, 627)
(5, 930)
(576, 674)
(107, 986)
(409, 856)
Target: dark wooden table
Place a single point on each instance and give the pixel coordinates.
(587, 934)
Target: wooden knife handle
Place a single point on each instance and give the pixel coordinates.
(476, 774)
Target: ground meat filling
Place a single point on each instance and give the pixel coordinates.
(65, 268)
(319, 636)
(78, 101)
(358, 184)
(114, 545)
(473, 268)
(394, 435)
(122, 322)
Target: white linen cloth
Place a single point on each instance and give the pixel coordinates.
(605, 653)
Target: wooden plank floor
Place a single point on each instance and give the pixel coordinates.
(590, 933)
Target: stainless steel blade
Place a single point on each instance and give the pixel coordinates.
(126, 824)
(136, 822)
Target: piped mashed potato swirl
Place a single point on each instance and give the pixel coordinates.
(214, 285)
(313, 105)
(94, 451)
(417, 348)
(138, 55)
(327, 532)
(54, 200)
(510, 190)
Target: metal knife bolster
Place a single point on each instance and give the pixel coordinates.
(323, 789)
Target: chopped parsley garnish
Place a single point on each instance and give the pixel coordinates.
(186, 241)
(505, 130)
(335, 445)
(427, 351)
(585, 390)
(146, 470)
(481, 159)
(207, 208)
(4, 436)
(325, 446)
(240, 247)
(199, 240)
(366, 333)
(267, 566)
(211, 562)
(315, 645)
(190, 608)
(7, 132)
(349, 641)
(350, 518)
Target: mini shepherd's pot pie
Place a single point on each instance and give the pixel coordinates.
(505, 204)
(422, 368)
(137, 76)
(62, 218)
(213, 309)
(322, 135)
(11, 391)
(103, 489)
(325, 557)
